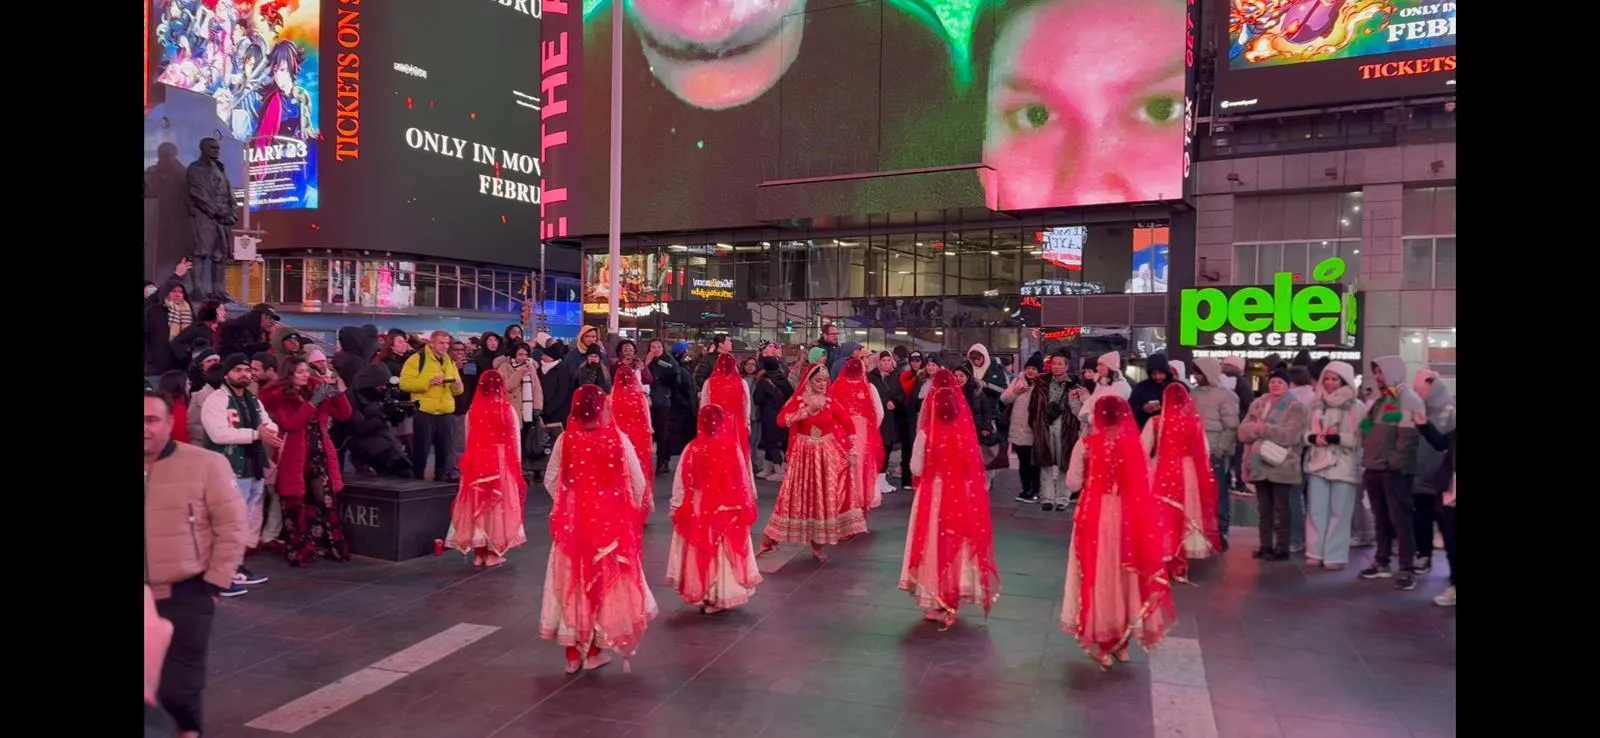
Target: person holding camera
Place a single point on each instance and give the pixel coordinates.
(376, 408)
(309, 477)
(434, 383)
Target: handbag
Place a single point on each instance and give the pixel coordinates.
(1272, 453)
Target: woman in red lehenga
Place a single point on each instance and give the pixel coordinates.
(1117, 587)
(949, 559)
(1182, 479)
(486, 519)
(817, 503)
(713, 507)
(727, 390)
(861, 402)
(630, 405)
(595, 596)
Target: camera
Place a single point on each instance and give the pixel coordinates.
(396, 405)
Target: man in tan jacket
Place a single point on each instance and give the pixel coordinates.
(194, 522)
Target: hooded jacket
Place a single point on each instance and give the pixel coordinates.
(1218, 407)
(836, 362)
(575, 356)
(279, 350)
(992, 377)
(367, 434)
(1431, 459)
(1338, 413)
(1389, 442)
(1148, 389)
(357, 346)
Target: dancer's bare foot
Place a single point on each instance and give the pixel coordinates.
(494, 560)
(1104, 660)
(934, 615)
(816, 553)
(596, 661)
(573, 665)
(949, 621)
(477, 561)
(710, 610)
(1122, 655)
(767, 546)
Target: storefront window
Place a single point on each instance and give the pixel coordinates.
(449, 287)
(1433, 348)
(1256, 263)
(1429, 263)
(1298, 217)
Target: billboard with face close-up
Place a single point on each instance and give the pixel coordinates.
(1300, 53)
(1017, 104)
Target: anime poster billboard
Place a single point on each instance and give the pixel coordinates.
(258, 60)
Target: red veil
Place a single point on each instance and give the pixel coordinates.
(941, 379)
(492, 462)
(719, 501)
(1181, 436)
(630, 407)
(1115, 464)
(727, 390)
(854, 394)
(951, 459)
(594, 523)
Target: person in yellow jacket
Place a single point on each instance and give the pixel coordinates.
(431, 378)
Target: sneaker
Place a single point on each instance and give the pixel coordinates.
(1376, 571)
(234, 590)
(1423, 565)
(1405, 582)
(1029, 497)
(1224, 541)
(1295, 548)
(245, 576)
(1048, 506)
(1363, 543)
(1447, 598)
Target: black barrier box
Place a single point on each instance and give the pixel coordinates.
(395, 519)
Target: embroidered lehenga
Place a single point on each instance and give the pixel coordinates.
(711, 561)
(486, 519)
(817, 503)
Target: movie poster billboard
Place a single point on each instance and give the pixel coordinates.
(258, 60)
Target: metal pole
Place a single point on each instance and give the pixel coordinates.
(614, 262)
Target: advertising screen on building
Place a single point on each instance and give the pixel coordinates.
(1029, 103)
(429, 131)
(1296, 53)
(259, 60)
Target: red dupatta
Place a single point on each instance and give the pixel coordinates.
(719, 500)
(1115, 464)
(594, 523)
(1180, 436)
(727, 390)
(491, 464)
(853, 393)
(630, 407)
(953, 469)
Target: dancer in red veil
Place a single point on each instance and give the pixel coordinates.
(1117, 587)
(727, 390)
(949, 559)
(630, 405)
(1182, 479)
(595, 596)
(861, 402)
(486, 519)
(816, 503)
(711, 561)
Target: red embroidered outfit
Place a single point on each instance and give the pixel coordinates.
(727, 390)
(817, 502)
(1182, 479)
(949, 557)
(487, 516)
(859, 399)
(1117, 587)
(595, 594)
(630, 406)
(711, 561)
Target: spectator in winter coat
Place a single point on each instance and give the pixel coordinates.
(1233, 378)
(249, 333)
(1146, 396)
(1389, 455)
(369, 435)
(1218, 407)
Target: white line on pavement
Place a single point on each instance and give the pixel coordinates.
(1180, 699)
(304, 711)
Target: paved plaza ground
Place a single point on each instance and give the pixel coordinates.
(433, 647)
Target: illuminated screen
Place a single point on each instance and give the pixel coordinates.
(430, 137)
(1289, 53)
(1067, 102)
(259, 61)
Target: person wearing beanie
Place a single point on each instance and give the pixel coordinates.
(1023, 416)
(249, 333)
(1301, 358)
(1106, 378)
(591, 368)
(1218, 408)
(588, 338)
(895, 406)
(319, 363)
(1146, 395)
(1273, 432)
(236, 425)
(287, 343)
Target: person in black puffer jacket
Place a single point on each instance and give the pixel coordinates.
(357, 346)
(368, 436)
(771, 392)
(1158, 374)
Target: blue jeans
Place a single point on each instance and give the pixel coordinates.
(1219, 470)
(1330, 507)
(253, 491)
(1297, 516)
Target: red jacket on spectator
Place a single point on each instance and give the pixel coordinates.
(294, 415)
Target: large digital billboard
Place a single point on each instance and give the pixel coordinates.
(430, 132)
(1298, 53)
(1028, 104)
(259, 60)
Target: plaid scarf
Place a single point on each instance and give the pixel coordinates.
(1387, 410)
(178, 317)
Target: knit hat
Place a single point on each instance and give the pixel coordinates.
(1036, 361)
(593, 350)
(680, 348)
(232, 361)
(763, 344)
(201, 355)
(914, 356)
(1279, 373)
(315, 355)
(817, 354)
(1112, 360)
